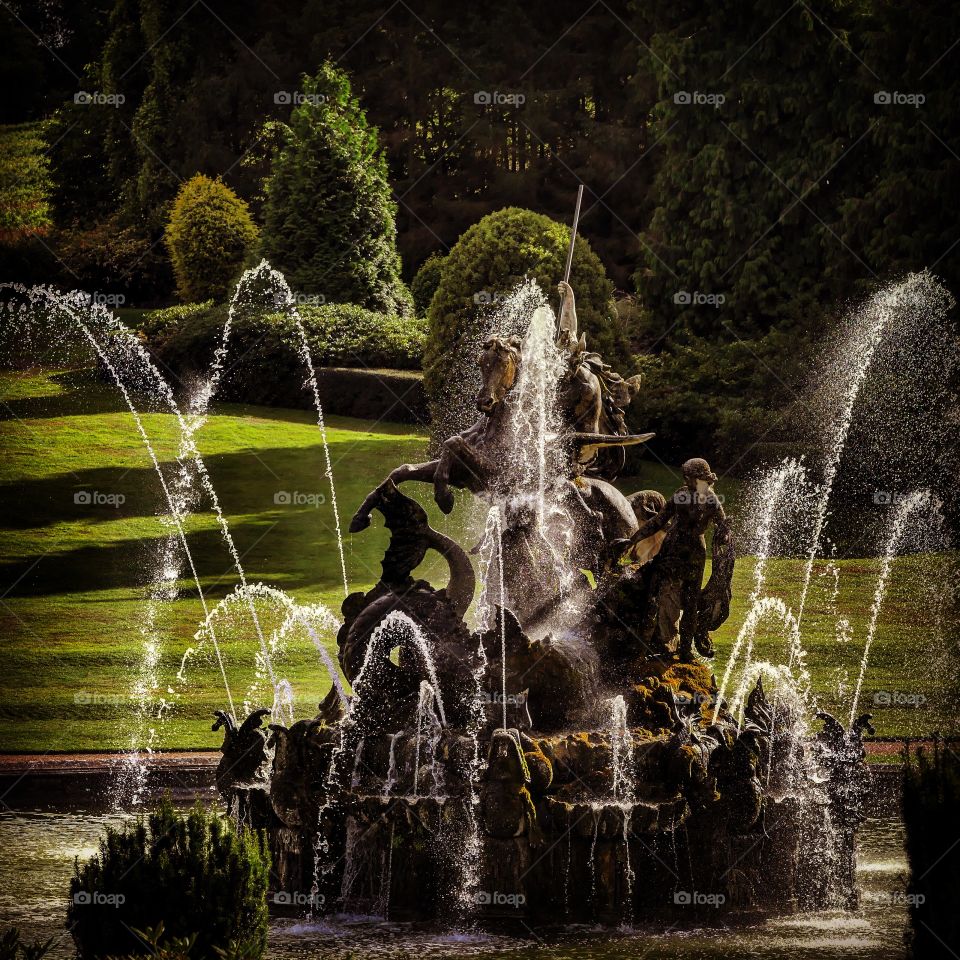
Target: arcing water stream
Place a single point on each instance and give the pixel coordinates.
(130, 368)
(894, 338)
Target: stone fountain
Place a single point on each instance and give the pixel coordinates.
(569, 756)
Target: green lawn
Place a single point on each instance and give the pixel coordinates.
(73, 576)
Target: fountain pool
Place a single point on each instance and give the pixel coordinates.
(38, 849)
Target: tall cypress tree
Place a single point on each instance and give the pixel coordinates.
(328, 216)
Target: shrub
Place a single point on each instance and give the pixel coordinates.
(491, 258)
(156, 324)
(208, 236)
(931, 798)
(425, 283)
(328, 217)
(724, 401)
(105, 256)
(193, 874)
(13, 947)
(339, 334)
(346, 335)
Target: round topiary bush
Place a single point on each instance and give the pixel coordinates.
(192, 874)
(424, 284)
(208, 236)
(486, 264)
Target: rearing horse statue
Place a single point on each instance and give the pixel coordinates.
(592, 400)
(472, 459)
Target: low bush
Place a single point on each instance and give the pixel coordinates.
(195, 875)
(156, 324)
(14, 947)
(340, 335)
(724, 401)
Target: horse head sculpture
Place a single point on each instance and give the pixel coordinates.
(499, 365)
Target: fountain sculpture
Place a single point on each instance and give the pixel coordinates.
(571, 757)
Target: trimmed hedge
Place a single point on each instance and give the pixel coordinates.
(370, 352)
(489, 260)
(340, 334)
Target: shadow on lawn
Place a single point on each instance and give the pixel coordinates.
(274, 549)
(247, 482)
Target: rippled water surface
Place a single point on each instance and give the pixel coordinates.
(37, 852)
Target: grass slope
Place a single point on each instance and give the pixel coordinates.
(73, 574)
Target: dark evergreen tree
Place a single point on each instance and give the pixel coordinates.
(738, 237)
(899, 209)
(328, 216)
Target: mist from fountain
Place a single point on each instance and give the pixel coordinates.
(779, 496)
(885, 350)
(119, 338)
(920, 302)
(395, 625)
(427, 720)
(311, 618)
(780, 492)
(759, 610)
(265, 289)
(491, 553)
(898, 533)
(391, 780)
